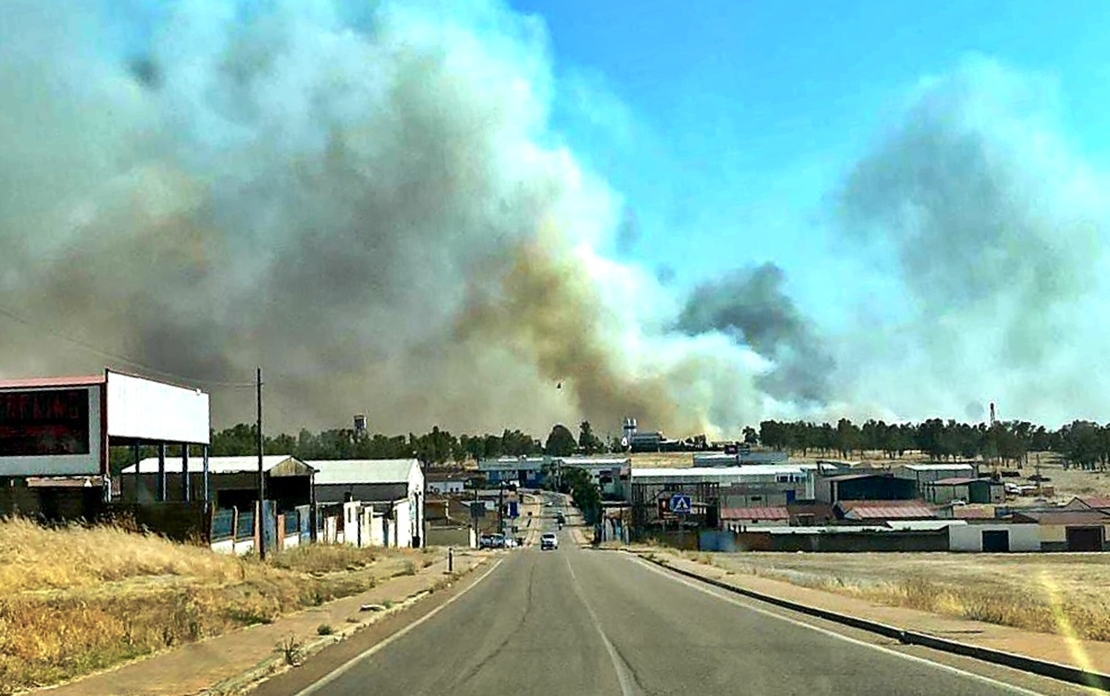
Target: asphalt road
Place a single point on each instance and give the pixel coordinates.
(576, 621)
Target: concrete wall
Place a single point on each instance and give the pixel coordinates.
(1023, 537)
(177, 521)
(745, 525)
(447, 536)
(52, 504)
(842, 542)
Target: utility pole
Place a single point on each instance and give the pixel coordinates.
(261, 476)
(501, 507)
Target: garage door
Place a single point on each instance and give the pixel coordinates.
(996, 541)
(1084, 538)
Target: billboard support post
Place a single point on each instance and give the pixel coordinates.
(261, 476)
(185, 472)
(204, 475)
(161, 472)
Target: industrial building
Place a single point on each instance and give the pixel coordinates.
(391, 489)
(233, 481)
(967, 490)
(1068, 530)
(871, 486)
(529, 472)
(927, 473)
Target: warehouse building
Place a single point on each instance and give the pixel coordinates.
(233, 481)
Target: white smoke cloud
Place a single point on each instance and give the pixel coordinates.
(995, 228)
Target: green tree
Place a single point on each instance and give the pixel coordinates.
(751, 437)
(588, 442)
(560, 442)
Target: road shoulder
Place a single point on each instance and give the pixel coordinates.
(1081, 654)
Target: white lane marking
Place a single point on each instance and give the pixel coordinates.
(340, 670)
(623, 678)
(833, 634)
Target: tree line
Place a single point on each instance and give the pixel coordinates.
(435, 447)
(1082, 443)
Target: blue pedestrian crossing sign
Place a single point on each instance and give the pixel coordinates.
(680, 504)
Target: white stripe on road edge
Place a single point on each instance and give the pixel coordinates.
(618, 664)
(833, 634)
(339, 671)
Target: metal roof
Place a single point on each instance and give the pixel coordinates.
(715, 472)
(29, 383)
(353, 471)
(938, 467)
(216, 465)
(1094, 502)
(853, 477)
(953, 481)
(887, 510)
(925, 525)
(1066, 517)
(755, 513)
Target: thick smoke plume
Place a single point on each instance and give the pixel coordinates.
(751, 306)
(354, 203)
(371, 205)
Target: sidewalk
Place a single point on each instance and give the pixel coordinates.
(1084, 654)
(196, 667)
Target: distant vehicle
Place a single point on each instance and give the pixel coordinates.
(549, 503)
(491, 541)
(560, 518)
(549, 541)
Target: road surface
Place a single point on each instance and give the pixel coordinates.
(578, 621)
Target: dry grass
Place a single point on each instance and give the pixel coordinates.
(1054, 593)
(78, 599)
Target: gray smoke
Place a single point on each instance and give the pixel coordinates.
(993, 228)
(345, 203)
(751, 306)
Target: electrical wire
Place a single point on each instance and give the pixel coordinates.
(15, 316)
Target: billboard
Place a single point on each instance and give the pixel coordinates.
(43, 422)
(147, 410)
(50, 431)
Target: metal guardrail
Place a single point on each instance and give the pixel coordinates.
(1053, 670)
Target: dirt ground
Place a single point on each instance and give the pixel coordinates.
(1041, 592)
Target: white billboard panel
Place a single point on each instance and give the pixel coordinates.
(148, 410)
(50, 431)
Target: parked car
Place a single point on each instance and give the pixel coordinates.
(549, 541)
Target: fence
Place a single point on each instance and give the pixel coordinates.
(244, 527)
(223, 525)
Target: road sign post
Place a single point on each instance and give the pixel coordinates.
(681, 506)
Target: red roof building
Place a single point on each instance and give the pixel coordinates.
(880, 510)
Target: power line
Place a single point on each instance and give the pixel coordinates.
(15, 316)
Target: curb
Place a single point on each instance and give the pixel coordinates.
(1053, 670)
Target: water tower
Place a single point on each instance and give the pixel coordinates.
(360, 424)
(629, 431)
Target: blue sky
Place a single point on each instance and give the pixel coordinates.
(725, 123)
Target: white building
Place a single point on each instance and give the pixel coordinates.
(994, 537)
(395, 485)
